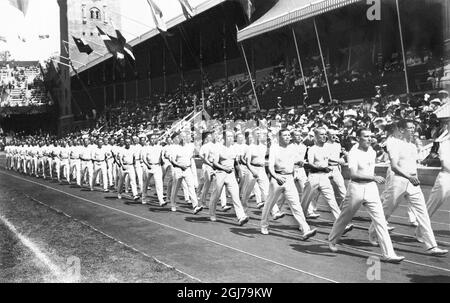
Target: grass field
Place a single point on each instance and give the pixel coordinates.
(66, 242)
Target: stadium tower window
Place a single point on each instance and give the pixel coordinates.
(95, 13)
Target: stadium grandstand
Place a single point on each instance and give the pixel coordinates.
(202, 60)
(24, 96)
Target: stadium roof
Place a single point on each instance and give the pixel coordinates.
(179, 17)
(286, 12)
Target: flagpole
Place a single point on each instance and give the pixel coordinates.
(83, 85)
(249, 73)
(201, 71)
(323, 61)
(403, 46)
(299, 60)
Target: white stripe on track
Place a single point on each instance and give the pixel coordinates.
(177, 229)
(42, 257)
(111, 237)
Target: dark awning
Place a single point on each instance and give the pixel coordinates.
(286, 12)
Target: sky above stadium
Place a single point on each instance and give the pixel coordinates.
(42, 19)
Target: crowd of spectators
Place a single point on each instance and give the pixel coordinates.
(22, 86)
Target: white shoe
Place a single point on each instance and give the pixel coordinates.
(198, 209)
(119, 196)
(264, 230)
(415, 224)
(213, 219)
(394, 259)
(226, 208)
(390, 228)
(243, 221)
(347, 229)
(309, 234)
(174, 209)
(260, 205)
(163, 204)
(279, 216)
(333, 248)
(436, 251)
(312, 216)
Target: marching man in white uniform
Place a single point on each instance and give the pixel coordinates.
(363, 190)
(405, 184)
(152, 159)
(181, 159)
(225, 163)
(126, 163)
(75, 162)
(64, 155)
(318, 179)
(335, 162)
(99, 155)
(282, 158)
(208, 172)
(87, 168)
(441, 189)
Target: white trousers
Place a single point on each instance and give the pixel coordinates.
(155, 171)
(100, 167)
(178, 176)
(208, 176)
(139, 176)
(440, 193)
(289, 192)
(338, 183)
(127, 170)
(401, 189)
(262, 183)
(65, 167)
(228, 181)
(364, 194)
(86, 172)
(75, 166)
(319, 183)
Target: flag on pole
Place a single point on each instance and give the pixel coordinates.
(112, 45)
(21, 5)
(3, 39)
(42, 37)
(157, 15)
(82, 46)
(187, 9)
(248, 6)
(126, 47)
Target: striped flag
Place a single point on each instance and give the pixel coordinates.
(112, 44)
(126, 47)
(187, 9)
(157, 15)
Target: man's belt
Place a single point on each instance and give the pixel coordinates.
(361, 181)
(86, 160)
(64, 158)
(74, 158)
(284, 173)
(98, 161)
(258, 165)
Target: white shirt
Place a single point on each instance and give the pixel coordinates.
(152, 154)
(126, 156)
(98, 154)
(183, 154)
(334, 150)
(86, 153)
(64, 153)
(318, 156)
(406, 155)
(361, 161)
